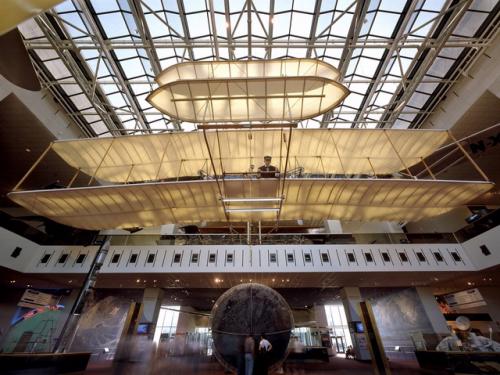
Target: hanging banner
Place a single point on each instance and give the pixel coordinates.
(464, 299)
(33, 299)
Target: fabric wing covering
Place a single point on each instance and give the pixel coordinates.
(153, 204)
(259, 90)
(316, 151)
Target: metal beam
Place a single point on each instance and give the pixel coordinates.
(249, 25)
(352, 38)
(145, 34)
(71, 81)
(314, 26)
(63, 99)
(389, 54)
(466, 62)
(99, 40)
(270, 30)
(403, 95)
(430, 43)
(214, 29)
(185, 29)
(353, 35)
(229, 32)
(80, 73)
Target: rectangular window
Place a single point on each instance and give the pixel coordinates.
(289, 257)
(339, 325)
(403, 257)
(229, 258)
(211, 258)
(16, 252)
(438, 256)
(63, 258)
(351, 257)
(81, 258)
(151, 258)
(368, 257)
(325, 258)
(45, 258)
(115, 258)
(166, 325)
(421, 256)
(272, 257)
(485, 250)
(455, 256)
(307, 258)
(133, 258)
(177, 258)
(386, 257)
(194, 258)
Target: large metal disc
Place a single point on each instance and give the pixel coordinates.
(250, 309)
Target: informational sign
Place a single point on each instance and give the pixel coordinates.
(464, 299)
(361, 341)
(33, 299)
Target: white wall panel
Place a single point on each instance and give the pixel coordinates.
(8, 242)
(489, 239)
(242, 258)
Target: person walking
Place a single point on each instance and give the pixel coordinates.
(265, 348)
(249, 347)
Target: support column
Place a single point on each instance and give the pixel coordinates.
(151, 302)
(68, 331)
(431, 307)
(351, 297)
(322, 327)
(333, 227)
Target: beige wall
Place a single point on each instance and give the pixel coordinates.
(449, 222)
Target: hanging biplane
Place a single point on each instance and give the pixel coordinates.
(211, 174)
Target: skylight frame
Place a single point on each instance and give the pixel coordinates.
(339, 45)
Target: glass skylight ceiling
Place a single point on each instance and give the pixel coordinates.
(399, 58)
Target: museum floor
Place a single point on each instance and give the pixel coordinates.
(187, 366)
